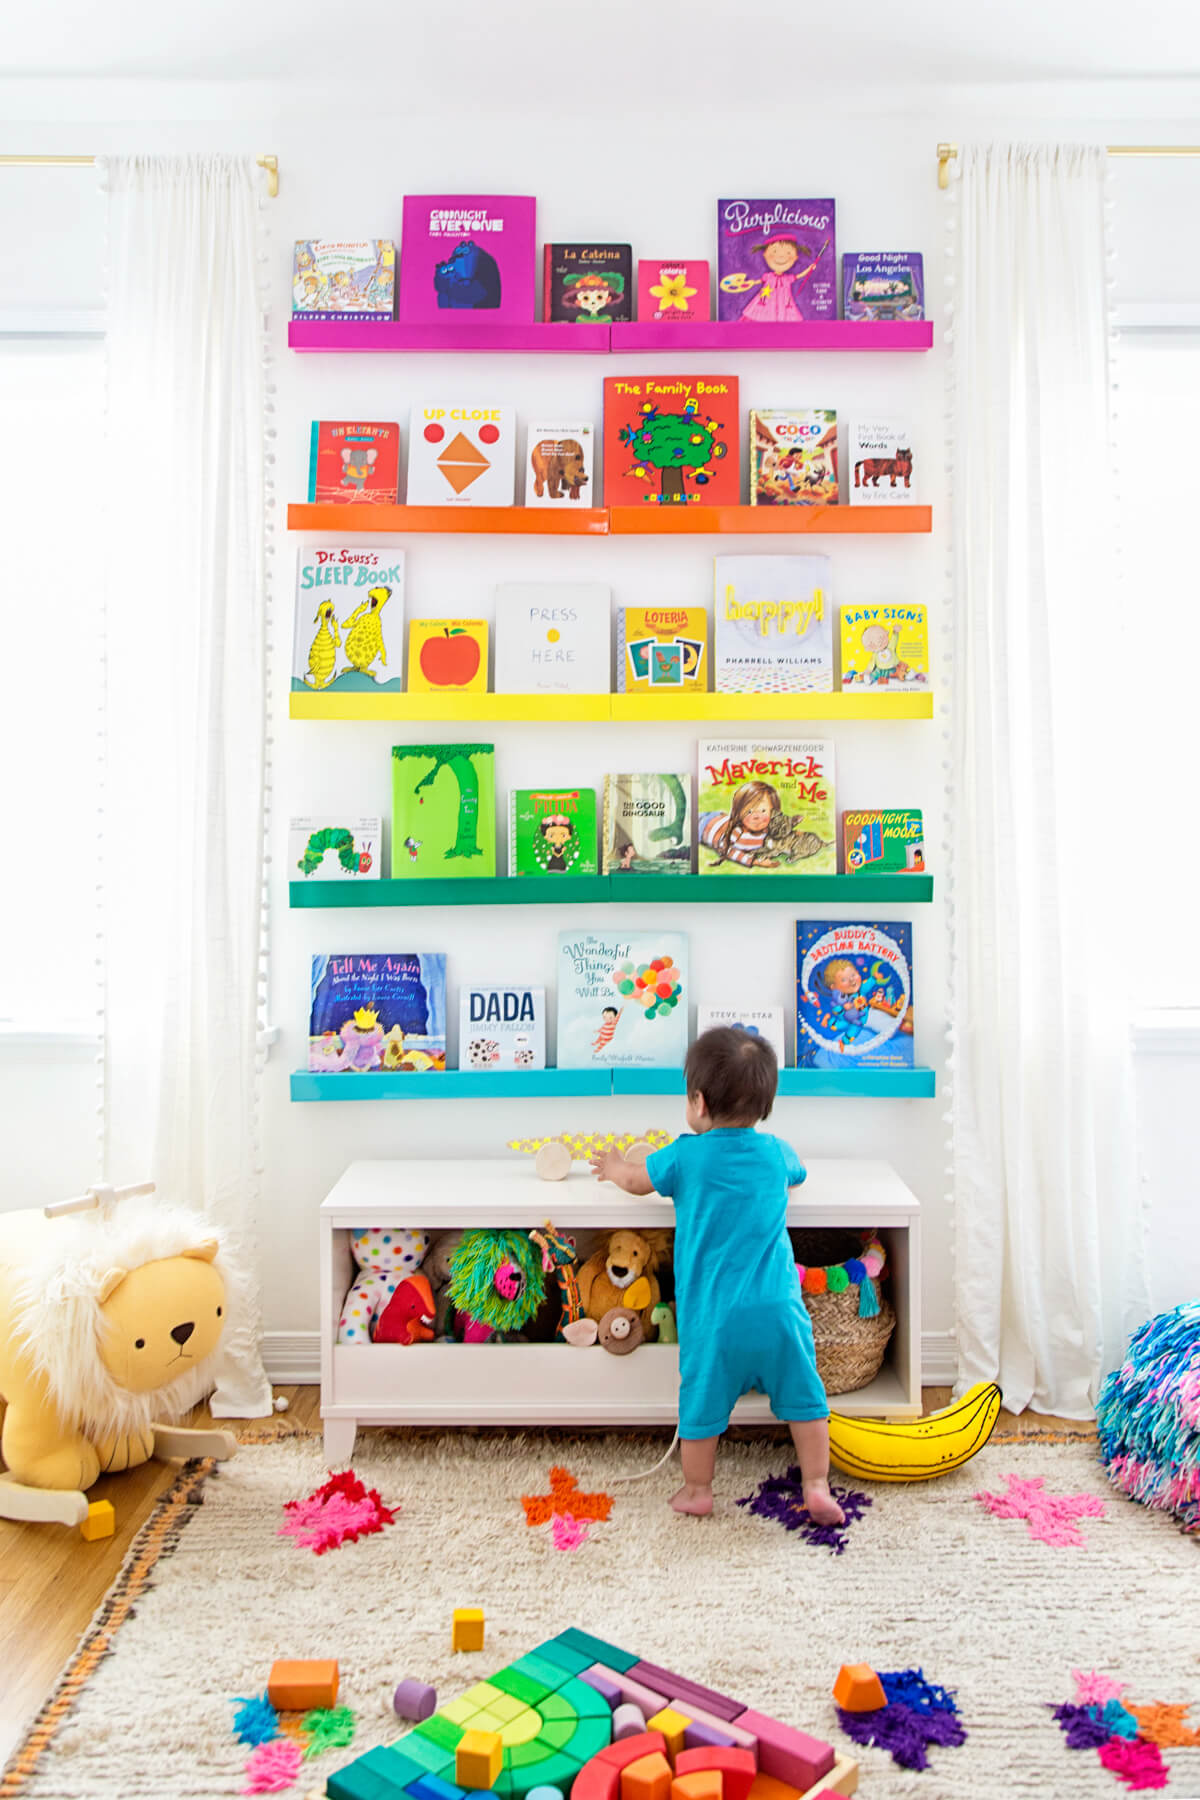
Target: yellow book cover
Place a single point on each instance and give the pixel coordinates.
(662, 648)
(448, 656)
(885, 648)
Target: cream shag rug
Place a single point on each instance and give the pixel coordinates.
(928, 1579)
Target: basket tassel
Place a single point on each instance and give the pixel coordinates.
(868, 1299)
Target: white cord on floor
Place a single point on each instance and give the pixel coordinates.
(618, 1480)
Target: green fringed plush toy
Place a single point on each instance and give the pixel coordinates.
(496, 1283)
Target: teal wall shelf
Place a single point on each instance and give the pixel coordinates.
(509, 1084)
(639, 890)
(800, 1084)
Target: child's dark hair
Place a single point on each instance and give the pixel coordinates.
(737, 1073)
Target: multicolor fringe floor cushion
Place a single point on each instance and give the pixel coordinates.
(1149, 1416)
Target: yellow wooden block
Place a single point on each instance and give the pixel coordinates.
(521, 1730)
(467, 1628)
(478, 1759)
(101, 1521)
(672, 1724)
(459, 1712)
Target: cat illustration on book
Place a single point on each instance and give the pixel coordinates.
(874, 469)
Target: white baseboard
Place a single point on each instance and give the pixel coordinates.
(293, 1358)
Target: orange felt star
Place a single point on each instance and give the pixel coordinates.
(564, 1497)
(1163, 1725)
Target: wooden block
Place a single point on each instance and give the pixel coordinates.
(700, 1736)
(433, 1787)
(733, 1728)
(786, 1754)
(672, 1724)
(558, 1770)
(597, 1780)
(679, 1687)
(467, 1628)
(843, 1779)
(649, 1778)
(299, 1686)
(631, 1749)
(764, 1787)
(416, 1700)
(573, 1661)
(858, 1688)
(597, 1649)
(604, 1685)
(704, 1784)
(737, 1768)
(478, 1759)
(628, 1721)
(631, 1689)
(101, 1521)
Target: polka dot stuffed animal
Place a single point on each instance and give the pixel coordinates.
(383, 1256)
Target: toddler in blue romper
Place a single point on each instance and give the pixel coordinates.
(742, 1321)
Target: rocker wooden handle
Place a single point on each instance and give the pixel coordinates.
(99, 1196)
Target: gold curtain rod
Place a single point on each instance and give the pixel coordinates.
(947, 152)
(269, 163)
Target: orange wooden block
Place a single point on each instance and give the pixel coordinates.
(737, 1768)
(702, 1784)
(647, 1779)
(299, 1686)
(765, 1787)
(101, 1521)
(858, 1688)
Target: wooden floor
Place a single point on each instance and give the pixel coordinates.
(51, 1582)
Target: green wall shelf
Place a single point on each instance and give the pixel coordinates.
(510, 1084)
(630, 890)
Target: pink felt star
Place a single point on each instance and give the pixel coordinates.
(1138, 1765)
(1093, 1689)
(1050, 1517)
(272, 1768)
(568, 1531)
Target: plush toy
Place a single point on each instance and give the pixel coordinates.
(621, 1272)
(496, 1283)
(383, 1255)
(620, 1331)
(110, 1318)
(408, 1316)
(439, 1260)
(559, 1259)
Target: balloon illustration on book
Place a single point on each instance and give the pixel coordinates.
(656, 986)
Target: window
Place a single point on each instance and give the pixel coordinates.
(52, 404)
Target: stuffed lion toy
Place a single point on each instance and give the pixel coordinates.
(109, 1320)
(624, 1264)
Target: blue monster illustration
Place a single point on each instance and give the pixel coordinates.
(468, 279)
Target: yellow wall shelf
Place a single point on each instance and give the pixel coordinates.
(548, 709)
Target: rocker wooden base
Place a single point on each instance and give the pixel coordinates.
(67, 1506)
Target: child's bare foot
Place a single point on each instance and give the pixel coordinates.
(821, 1506)
(695, 1500)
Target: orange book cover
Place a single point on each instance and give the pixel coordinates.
(671, 440)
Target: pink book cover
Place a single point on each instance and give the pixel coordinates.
(468, 253)
(673, 291)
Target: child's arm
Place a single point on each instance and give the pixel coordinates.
(610, 1165)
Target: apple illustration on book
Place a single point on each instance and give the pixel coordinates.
(450, 660)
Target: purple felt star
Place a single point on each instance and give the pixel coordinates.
(902, 1732)
(781, 1497)
(1050, 1517)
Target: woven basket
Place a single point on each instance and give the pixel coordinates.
(850, 1350)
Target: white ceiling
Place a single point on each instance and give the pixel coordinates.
(785, 51)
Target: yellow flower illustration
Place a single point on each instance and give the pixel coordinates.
(672, 290)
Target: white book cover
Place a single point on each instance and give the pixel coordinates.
(880, 468)
(502, 1028)
(349, 635)
(461, 455)
(622, 999)
(553, 637)
(773, 624)
(759, 1021)
(335, 847)
(560, 466)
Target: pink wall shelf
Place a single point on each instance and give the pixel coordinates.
(832, 334)
(468, 332)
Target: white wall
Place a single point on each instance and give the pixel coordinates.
(656, 186)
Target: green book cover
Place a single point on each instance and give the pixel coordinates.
(647, 825)
(552, 831)
(443, 811)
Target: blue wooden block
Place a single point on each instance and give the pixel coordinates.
(433, 1787)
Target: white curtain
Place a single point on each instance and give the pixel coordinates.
(1048, 1222)
(185, 740)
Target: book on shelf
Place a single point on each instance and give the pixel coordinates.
(352, 463)
(349, 614)
(378, 1013)
(345, 278)
(883, 284)
(335, 847)
(766, 809)
(461, 455)
(757, 1021)
(622, 999)
(676, 292)
(671, 440)
(560, 465)
(885, 648)
(448, 656)
(502, 1028)
(854, 995)
(443, 811)
(884, 843)
(589, 283)
(662, 649)
(553, 637)
(646, 827)
(552, 831)
(773, 625)
(776, 261)
(793, 457)
(468, 254)
(879, 468)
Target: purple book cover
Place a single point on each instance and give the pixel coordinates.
(467, 253)
(776, 260)
(883, 284)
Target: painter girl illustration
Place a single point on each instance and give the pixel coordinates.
(789, 267)
(741, 834)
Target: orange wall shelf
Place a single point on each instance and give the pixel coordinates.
(616, 521)
(340, 520)
(646, 521)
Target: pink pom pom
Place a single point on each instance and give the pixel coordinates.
(872, 1262)
(272, 1768)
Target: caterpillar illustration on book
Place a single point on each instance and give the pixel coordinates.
(334, 837)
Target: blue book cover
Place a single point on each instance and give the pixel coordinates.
(854, 995)
(883, 284)
(378, 1012)
(622, 999)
